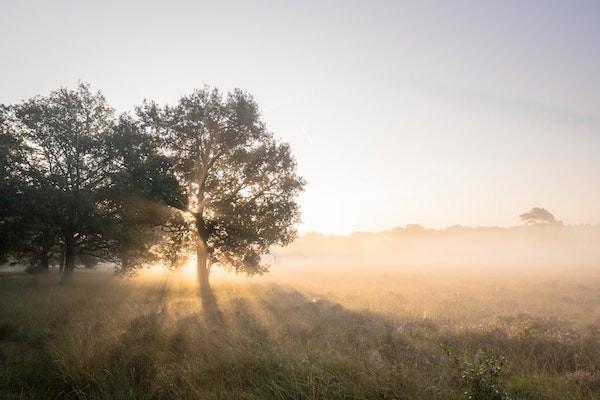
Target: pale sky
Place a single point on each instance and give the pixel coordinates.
(437, 113)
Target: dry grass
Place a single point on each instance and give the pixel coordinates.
(305, 335)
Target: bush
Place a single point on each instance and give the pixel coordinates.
(481, 376)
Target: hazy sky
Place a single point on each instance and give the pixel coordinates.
(436, 113)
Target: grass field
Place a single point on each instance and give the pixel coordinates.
(370, 334)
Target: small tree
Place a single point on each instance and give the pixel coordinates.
(538, 216)
(239, 184)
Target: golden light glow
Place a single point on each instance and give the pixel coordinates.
(189, 268)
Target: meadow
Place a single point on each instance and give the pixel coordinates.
(317, 333)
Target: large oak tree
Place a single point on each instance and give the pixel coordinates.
(240, 185)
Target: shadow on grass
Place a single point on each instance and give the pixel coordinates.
(261, 342)
(211, 311)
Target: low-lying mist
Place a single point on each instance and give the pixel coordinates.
(526, 248)
(467, 275)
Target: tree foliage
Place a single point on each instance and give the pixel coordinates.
(143, 229)
(81, 186)
(66, 168)
(537, 216)
(240, 185)
(70, 185)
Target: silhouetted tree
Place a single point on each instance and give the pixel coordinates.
(537, 216)
(239, 184)
(25, 234)
(142, 230)
(11, 186)
(33, 239)
(65, 165)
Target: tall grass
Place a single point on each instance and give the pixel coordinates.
(105, 337)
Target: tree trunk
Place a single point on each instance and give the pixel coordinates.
(61, 264)
(69, 258)
(44, 263)
(202, 269)
(209, 302)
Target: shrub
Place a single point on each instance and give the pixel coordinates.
(481, 375)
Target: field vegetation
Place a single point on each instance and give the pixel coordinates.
(311, 333)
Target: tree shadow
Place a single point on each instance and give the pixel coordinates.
(211, 311)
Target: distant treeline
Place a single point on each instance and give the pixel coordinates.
(528, 247)
(80, 185)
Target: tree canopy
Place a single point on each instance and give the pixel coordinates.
(240, 184)
(80, 185)
(537, 216)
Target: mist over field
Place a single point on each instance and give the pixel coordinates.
(559, 248)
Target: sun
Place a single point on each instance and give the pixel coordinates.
(188, 271)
